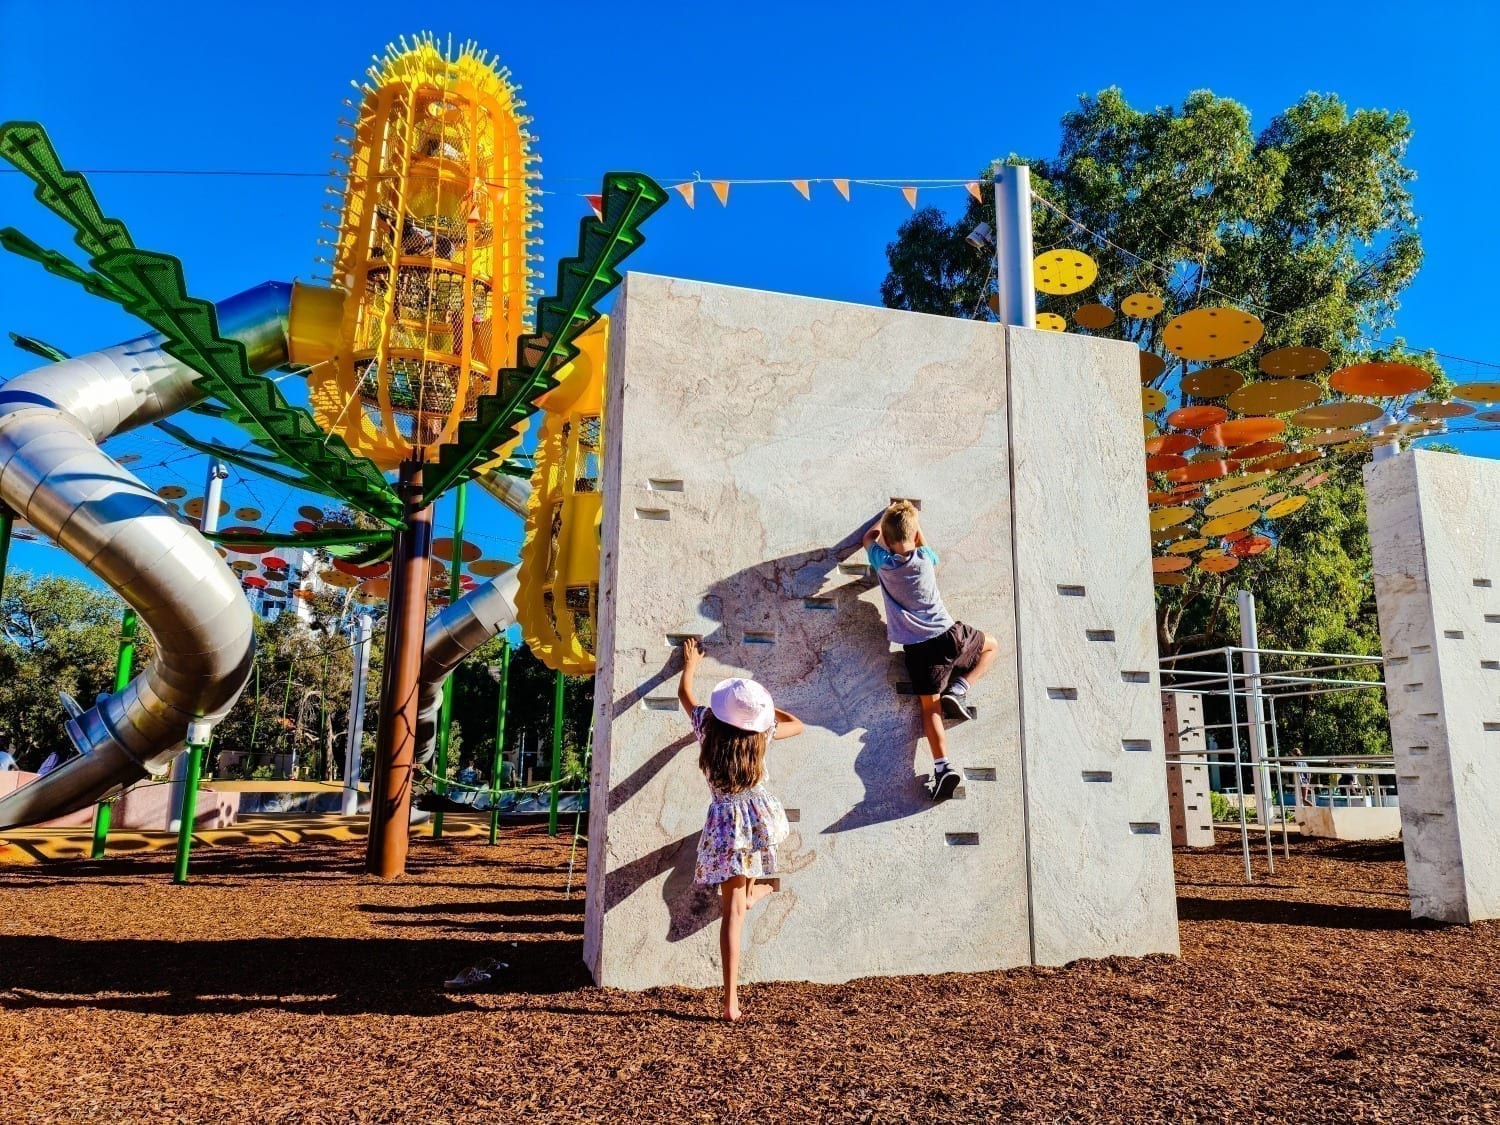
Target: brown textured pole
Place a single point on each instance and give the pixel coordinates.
(395, 744)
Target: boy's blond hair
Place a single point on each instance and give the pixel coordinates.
(899, 524)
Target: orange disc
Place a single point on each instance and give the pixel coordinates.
(376, 587)
(1434, 410)
(1274, 396)
(1289, 362)
(1331, 437)
(1336, 414)
(1287, 460)
(1196, 417)
(1235, 536)
(1172, 579)
(1164, 462)
(1250, 546)
(489, 568)
(1218, 564)
(1187, 493)
(1161, 498)
(1380, 380)
(1170, 443)
(1213, 382)
(1165, 564)
(1246, 431)
(1203, 470)
(1258, 449)
(443, 549)
(1152, 365)
(1094, 316)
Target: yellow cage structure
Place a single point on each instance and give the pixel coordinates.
(559, 579)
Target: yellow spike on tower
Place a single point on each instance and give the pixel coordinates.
(432, 251)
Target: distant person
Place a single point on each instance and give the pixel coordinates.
(737, 848)
(943, 656)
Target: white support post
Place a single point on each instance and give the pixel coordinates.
(363, 626)
(1013, 253)
(1255, 705)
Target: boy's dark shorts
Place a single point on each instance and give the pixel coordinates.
(932, 663)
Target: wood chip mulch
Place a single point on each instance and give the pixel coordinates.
(283, 986)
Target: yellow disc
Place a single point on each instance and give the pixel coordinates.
(1178, 579)
(1212, 334)
(1165, 564)
(1274, 397)
(1152, 365)
(1435, 410)
(1218, 564)
(1330, 437)
(1233, 521)
(489, 568)
(1169, 517)
(1229, 484)
(1286, 363)
(1094, 316)
(247, 515)
(1152, 400)
(1337, 414)
(1285, 507)
(1236, 501)
(1187, 546)
(1213, 382)
(1212, 553)
(1149, 427)
(171, 492)
(339, 578)
(1051, 322)
(1063, 271)
(1141, 305)
(1485, 392)
(194, 508)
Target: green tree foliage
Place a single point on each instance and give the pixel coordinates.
(1309, 224)
(59, 636)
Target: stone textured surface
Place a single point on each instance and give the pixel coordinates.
(1435, 534)
(1188, 804)
(1096, 797)
(750, 439)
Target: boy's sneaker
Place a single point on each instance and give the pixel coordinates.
(943, 784)
(955, 704)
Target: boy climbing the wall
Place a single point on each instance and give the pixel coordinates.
(943, 656)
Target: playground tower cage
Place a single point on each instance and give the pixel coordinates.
(433, 252)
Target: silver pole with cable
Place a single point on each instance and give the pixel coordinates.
(1013, 253)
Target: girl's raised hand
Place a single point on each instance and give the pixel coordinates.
(692, 655)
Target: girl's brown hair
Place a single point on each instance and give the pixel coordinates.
(732, 757)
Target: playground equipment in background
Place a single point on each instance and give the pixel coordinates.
(422, 355)
(559, 587)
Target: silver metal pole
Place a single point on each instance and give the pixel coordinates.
(213, 491)
(1013, 253)
(1239, 769)
(1255, 709)
(363, 626)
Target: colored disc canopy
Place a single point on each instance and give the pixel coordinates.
(1164, 462)
(1244, 431)
(1165, 564)
(1434, 410)
(1258, 449)
(443, 549)
(1152, 365)
(1485, 392)
(1380, 380)
(1250, 546)
(1152, 400)
(1212, 382)
(1063, 271)
(1094, 316)
(1230, 521)
(1201, 471)
(1330, 437)
(1212, 334)
(1170, 517)
(1175, 579)
(1196, 417)
(1336, 414)
(308, 512)
(1170, 443)
(1274, 396)
(171, 492)
(1285, 507)
(1187, 546)
(1051, 322)
(1236, 501)
(247, 515)
(1218, 564)
(1286, 363)
(489, 568)
(194, 508)
(1141, 305)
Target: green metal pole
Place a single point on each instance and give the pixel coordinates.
(497, 763)
(557, 733)
(7, 524)
(124, 666)
(445, 716)
(189, 811)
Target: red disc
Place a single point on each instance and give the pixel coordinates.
(1161, 462)
(255, 581)
(1235, 536)
(1203, 470)
(1249, 547)
(1258, 449)
(274, 562)
(304, 526)
(1170, 443)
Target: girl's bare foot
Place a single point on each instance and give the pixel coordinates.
(757, 892)
(732, 1013)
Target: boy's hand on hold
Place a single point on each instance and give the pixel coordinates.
(871, 536)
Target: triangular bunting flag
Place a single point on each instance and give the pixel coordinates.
(843, 188)
(721, 189)
(974, 191)
(686, 191)
(911, 196)
(597, 203)
(801, 185)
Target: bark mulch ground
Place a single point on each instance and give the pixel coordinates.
(283, 986)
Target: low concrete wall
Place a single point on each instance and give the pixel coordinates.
(1349, 823)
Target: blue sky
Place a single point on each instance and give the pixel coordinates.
(810, 89)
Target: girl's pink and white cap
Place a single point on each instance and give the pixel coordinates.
(744, 704)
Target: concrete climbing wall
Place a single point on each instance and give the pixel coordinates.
(750, 439)
(1435, 534)
(1188, 804)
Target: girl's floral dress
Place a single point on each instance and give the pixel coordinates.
(742, 830)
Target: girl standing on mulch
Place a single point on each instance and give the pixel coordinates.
(745, 823)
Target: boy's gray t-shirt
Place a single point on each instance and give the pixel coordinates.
(914, 610)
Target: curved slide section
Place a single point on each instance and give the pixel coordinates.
(54, 475)
(451, 636)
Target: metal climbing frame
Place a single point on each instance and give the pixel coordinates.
(1252, 680)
